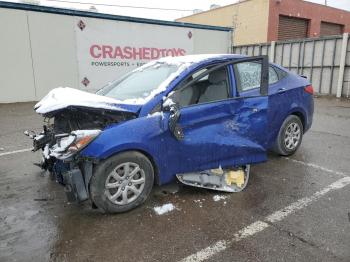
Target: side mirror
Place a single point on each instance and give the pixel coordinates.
(174, 126)
(170, 106)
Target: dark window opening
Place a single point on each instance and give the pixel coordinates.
(292, 28)
(331, 29)
(213, 86)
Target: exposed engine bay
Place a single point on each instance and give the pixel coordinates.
(67, 131)
(60, 123)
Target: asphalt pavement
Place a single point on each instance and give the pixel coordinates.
(293, 209)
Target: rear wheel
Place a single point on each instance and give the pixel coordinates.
(122, 182)
(290, 136)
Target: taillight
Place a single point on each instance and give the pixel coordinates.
(309, 89)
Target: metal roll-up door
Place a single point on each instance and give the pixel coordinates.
(331, 29)
(292, 28)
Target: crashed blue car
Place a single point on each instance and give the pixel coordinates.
(201, 119)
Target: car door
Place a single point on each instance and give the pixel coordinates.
(218, 130)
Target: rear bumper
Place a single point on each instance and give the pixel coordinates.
(310, 115)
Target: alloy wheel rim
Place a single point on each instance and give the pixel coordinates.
(125, 183)
(292, 136)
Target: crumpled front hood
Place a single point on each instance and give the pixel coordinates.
(63, 97)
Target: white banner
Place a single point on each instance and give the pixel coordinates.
(106, 50)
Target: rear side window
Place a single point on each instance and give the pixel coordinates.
(248, 75)
(281, 74)
(273, 76)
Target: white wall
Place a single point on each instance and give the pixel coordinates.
(16, 71)
(41, 51)
(120, 34)
(53, 51)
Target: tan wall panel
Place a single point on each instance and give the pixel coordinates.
(249, 19)
(16, 74)
(54, 51)
(252, 22)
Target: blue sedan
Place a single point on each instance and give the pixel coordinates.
(203, 119)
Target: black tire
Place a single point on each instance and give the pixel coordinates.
(281, 146)
(98, 191)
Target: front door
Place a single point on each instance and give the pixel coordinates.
(219, 128)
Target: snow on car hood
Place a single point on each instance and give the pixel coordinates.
(63, 97)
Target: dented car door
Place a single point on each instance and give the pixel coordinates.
(221, 130)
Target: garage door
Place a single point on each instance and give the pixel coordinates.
(292, 28)
(331, 29)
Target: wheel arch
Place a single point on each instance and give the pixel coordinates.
(276, 144)
(301, 116)
(147, 155)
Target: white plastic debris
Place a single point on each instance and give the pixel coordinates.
(217, 198)
(161, 210)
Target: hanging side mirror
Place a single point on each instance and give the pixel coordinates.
(170, 106)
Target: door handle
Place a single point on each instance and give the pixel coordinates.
(281, 90)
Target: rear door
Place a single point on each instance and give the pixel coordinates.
(218, 130)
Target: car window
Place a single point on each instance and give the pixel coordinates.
(281, 74)
(200, 72)
(139, 83)
(273, 76)
(211, 87)
(249, 75)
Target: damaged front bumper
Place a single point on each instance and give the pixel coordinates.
(76, 182)
(60, 156)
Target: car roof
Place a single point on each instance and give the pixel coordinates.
(199, 59)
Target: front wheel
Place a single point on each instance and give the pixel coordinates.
(122, 182)
(290, 136)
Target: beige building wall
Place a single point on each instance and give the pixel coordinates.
(248, 18)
